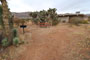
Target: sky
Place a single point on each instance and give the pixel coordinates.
(62, 6)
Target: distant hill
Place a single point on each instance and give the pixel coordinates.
(22, 15)
(25, 15)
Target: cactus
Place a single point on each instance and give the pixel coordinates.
(15, 34)
(5, 42)
(16, 41)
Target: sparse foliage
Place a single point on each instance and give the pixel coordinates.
(45, 16)
(15, 33)
(5, 42)
(16, 41)
(85, 22)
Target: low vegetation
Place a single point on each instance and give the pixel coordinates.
(16, 41)
(76, 21)
(13, 34)
(84, 22)
(5, 42)
(49, 16)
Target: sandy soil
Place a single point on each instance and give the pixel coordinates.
(55, 43)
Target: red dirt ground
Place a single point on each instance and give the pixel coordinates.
(54, 43)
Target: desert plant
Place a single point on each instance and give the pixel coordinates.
(45, 16)
(15, 33)
(84, 22)
(75, 21)
(55, 23)
(5, 17)
(5, 42)
(16, 41)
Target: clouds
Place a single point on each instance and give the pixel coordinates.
(29, 5)
(39, 4)
(19, 6)
(61, 5)
(67, 6)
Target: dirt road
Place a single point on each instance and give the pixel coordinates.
(54, 43)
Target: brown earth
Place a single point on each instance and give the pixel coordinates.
(55, 43)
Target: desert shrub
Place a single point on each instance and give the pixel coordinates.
(75, 21)
(15, 33)
(55, 23)
(84, 22)
(36, 21)
(16, 41)
(5, 42)
(45, 16)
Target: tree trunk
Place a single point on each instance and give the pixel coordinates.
(7, 31)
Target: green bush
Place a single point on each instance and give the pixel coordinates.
(55, 23)
(15, 33)
(16, 41)
(84, 22)
(5, 42)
